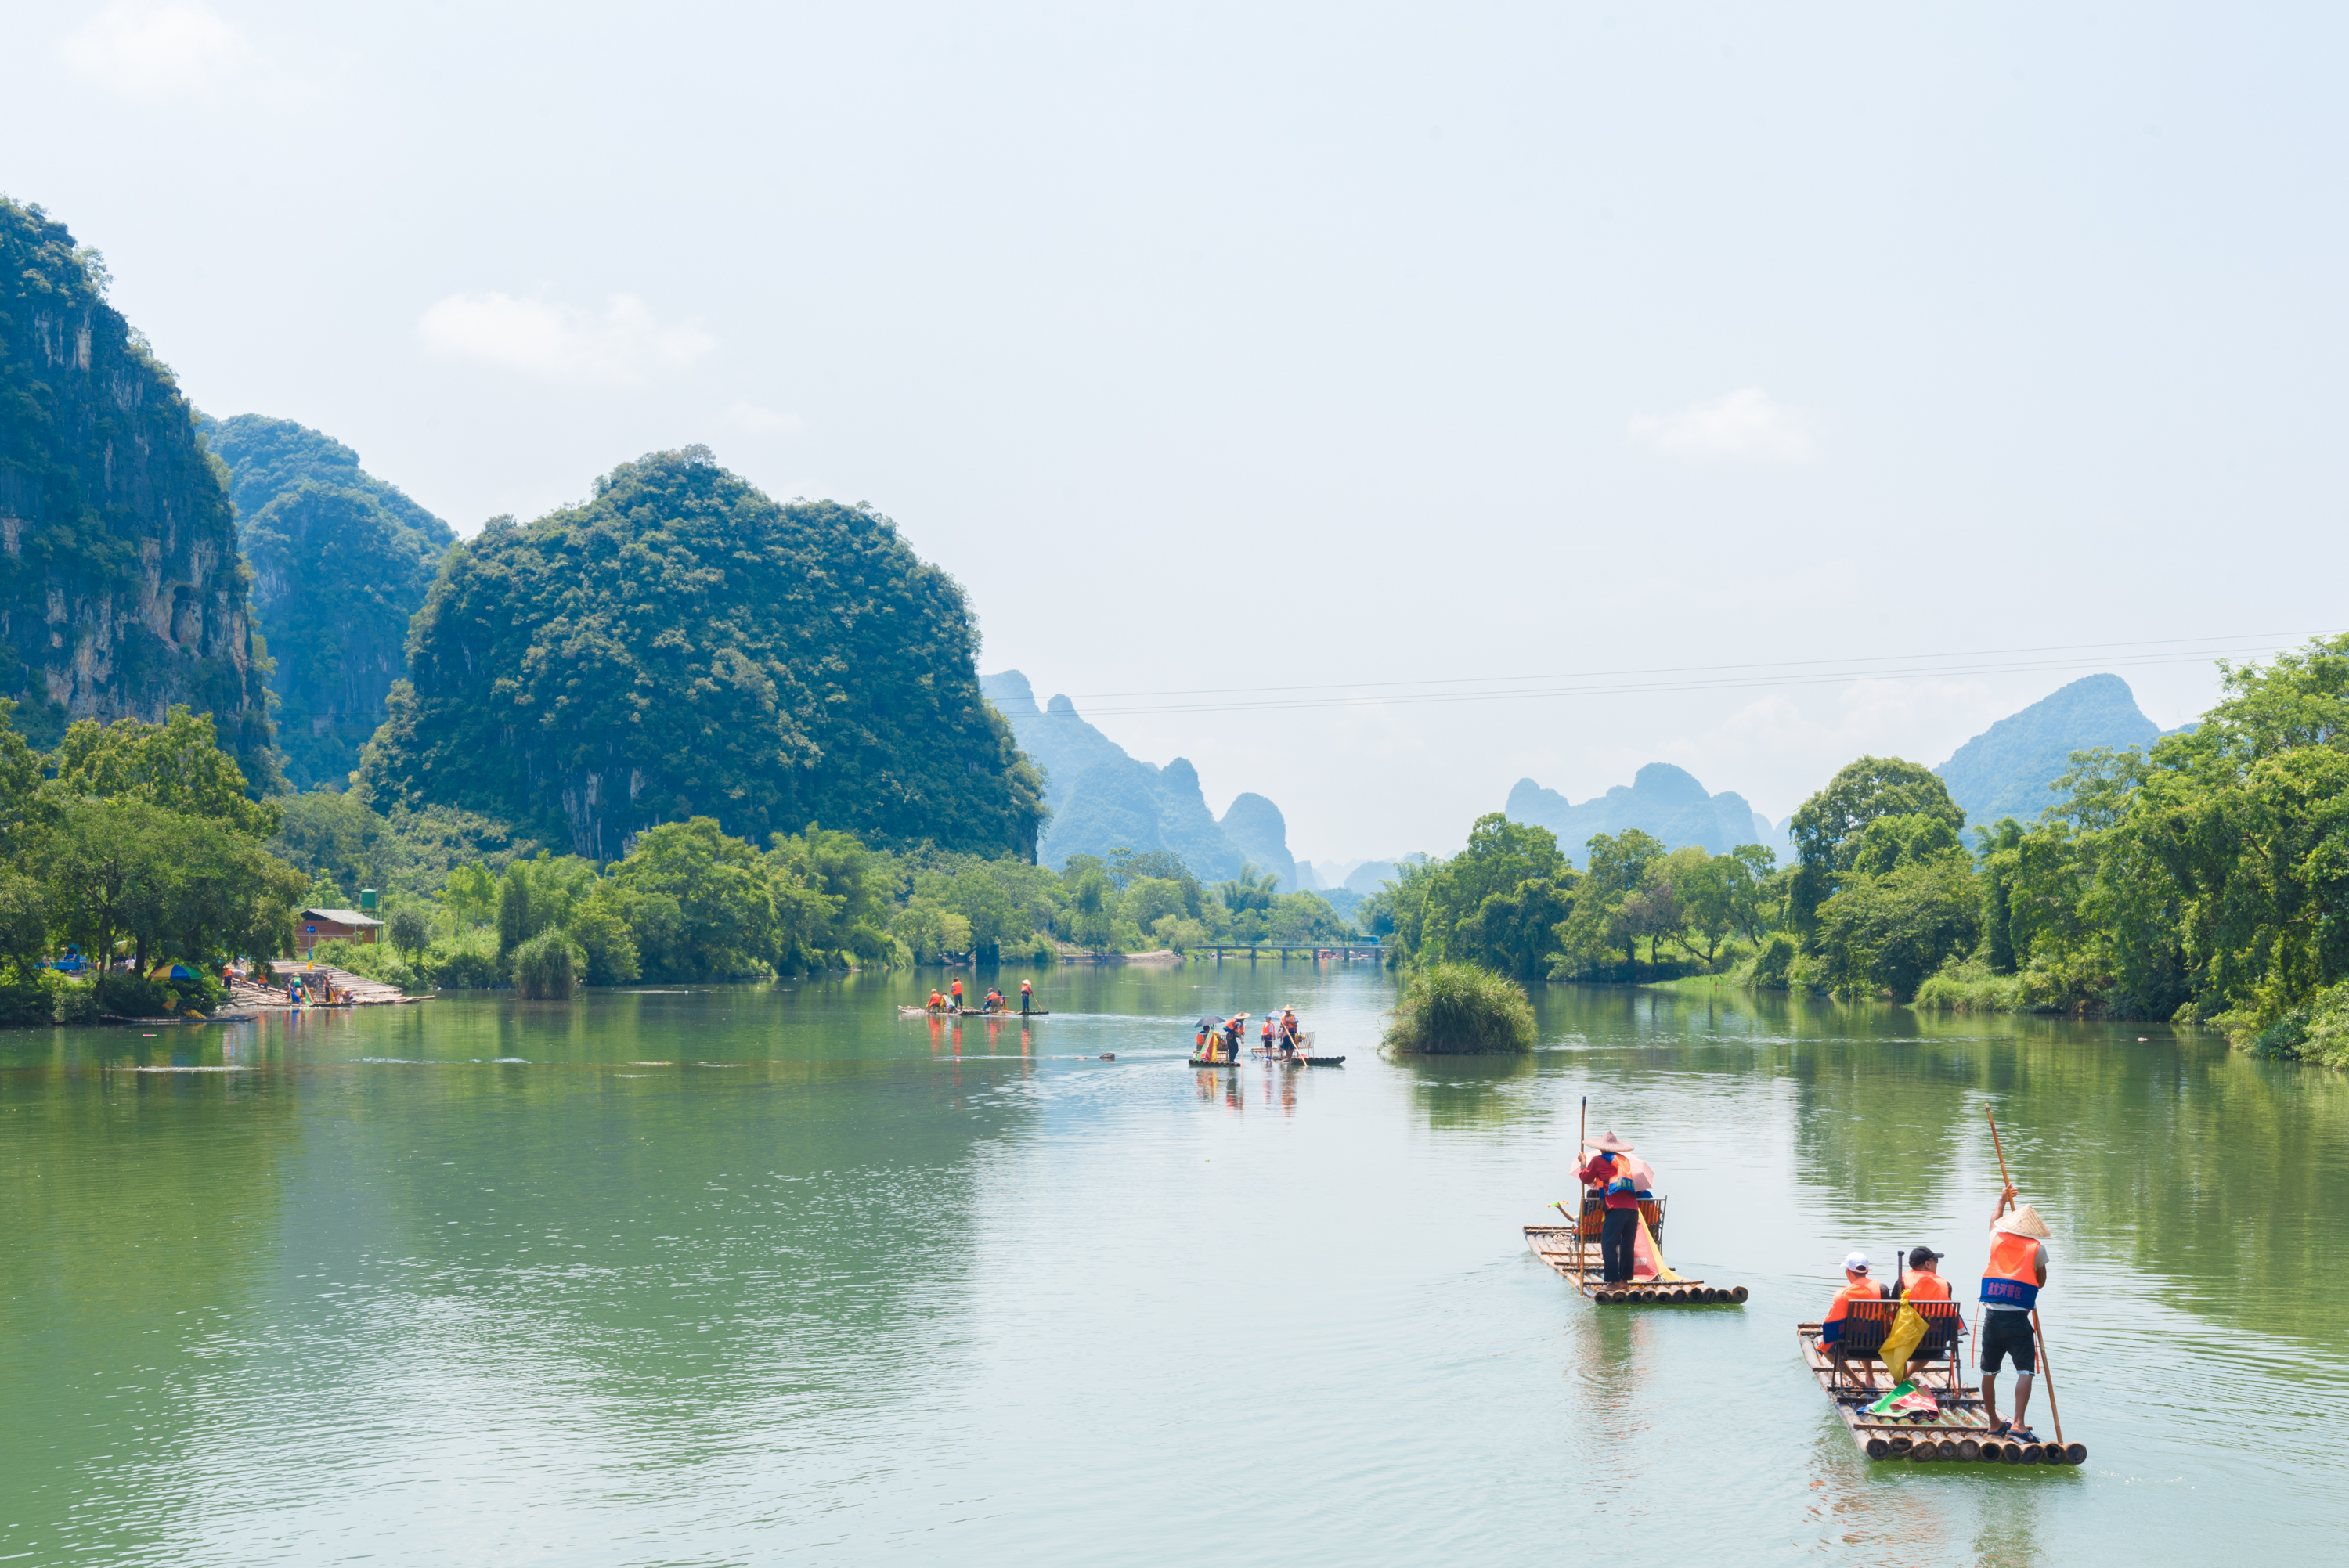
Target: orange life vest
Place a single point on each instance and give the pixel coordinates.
(1831, 1329)
(2011, 1278)
(1919, 1287)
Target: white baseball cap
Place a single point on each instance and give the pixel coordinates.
(1855, 1263)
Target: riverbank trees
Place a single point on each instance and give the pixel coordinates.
(139, 837)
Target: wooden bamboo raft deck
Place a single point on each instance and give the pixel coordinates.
(1960, 1433)
(1576, 1258)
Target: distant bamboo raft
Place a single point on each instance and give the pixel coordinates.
(1574, 1252)
(1960, 1433)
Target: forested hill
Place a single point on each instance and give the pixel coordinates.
(2010, 768)
(340, 561)
(680, 645)
(120, 586)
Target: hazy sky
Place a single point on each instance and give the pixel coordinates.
(1223, 347)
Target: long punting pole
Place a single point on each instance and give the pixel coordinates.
(1581, 1138)
(2046, 1364)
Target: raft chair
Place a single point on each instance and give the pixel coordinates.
(1594, 1217)
(1865, 1324)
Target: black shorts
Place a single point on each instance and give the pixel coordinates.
(2006, 1333)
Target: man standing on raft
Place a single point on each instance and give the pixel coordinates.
(2010, 1289)
(1619, 1193)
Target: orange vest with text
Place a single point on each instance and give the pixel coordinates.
(2011, 1276)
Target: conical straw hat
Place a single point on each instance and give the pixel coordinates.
(1608, 1142)
(2024, 1221)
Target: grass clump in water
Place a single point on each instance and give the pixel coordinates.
(1459, 1010)
(1967, 986)
(545, 968)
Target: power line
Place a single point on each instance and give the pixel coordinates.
(1726, 678)
(2265, 640)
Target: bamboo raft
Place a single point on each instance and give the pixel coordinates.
(1211, 1062)
(973, 1013)
(1573, 1252)
(1960, 1433)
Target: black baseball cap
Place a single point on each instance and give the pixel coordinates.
(1919, 1256)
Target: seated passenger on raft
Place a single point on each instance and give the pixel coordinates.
(1858, 1285)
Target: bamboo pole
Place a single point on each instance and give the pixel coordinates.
(2046, 1366)
(1581, 1136)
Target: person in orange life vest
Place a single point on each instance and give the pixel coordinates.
(1921, 1281)
(2010, 1289)
(957, 993)
(994, 1002)
(1199, 1043)
(1027, 995)
(1267, 1032)
(1234, 1032)
(937, 1001)
(1621, 1197)
(1858, 1286)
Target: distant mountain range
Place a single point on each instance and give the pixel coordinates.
(1661, 799)
(1102, 800)
(2008, 769)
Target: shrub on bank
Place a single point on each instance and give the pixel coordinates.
(374, 960)
(1459, 1009)
(1773, 965)
(1967, 986)
(466, 962)
(2317, 1032)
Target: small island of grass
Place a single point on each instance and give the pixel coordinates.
(1458, 1010)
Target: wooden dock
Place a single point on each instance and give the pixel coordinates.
(1576, 1259)
(1959, 1433)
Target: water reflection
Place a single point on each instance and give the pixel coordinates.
(748, 1274)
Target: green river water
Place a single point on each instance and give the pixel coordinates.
(766, 1274)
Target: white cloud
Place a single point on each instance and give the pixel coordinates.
(750, 417)
(1744, 424)
(175, 52)
(623, 346)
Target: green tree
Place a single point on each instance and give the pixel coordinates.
(1147, 899)
(408, 931)
(1438, 910)
(1091, 923)
(1829, 826)
(175, 764)
(471, 895)
(699, 903)
(1251, 892)
(1604, 915)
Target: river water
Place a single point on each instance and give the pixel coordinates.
(766, 1274)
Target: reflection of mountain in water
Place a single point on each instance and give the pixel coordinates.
(1661, 799)
(1102, 800)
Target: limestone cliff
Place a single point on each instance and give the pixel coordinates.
(340, 561)
(121, 590)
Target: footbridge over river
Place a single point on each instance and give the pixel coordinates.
(1337, 952)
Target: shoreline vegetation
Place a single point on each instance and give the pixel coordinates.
(2202, 880)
